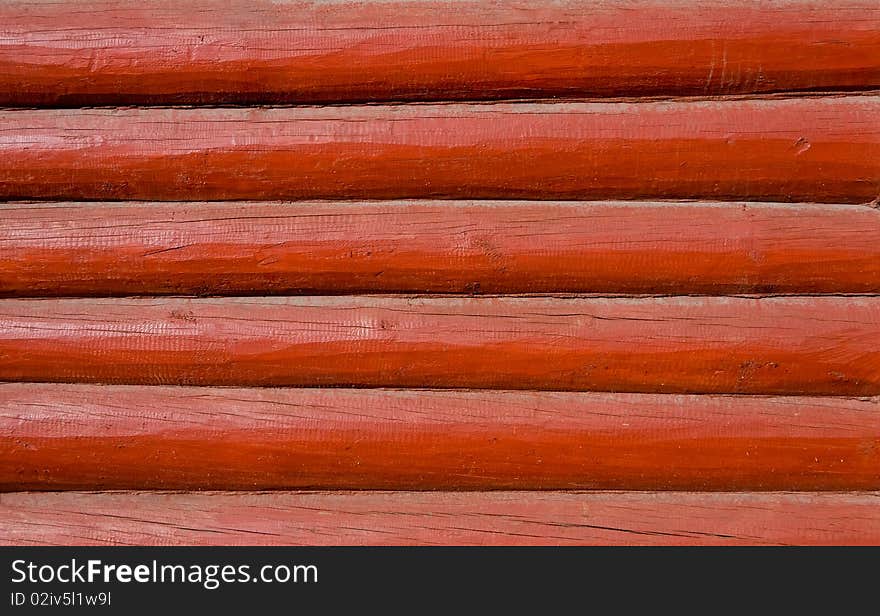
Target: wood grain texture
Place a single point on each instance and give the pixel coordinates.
(824, 149)
(424, 518)
(810, 346)
(106, 249)
(58, 437)
(260, 51)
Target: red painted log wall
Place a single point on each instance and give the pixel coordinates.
(807, 149)
(436, 247)
(257, 51)
(60, 437)
(712, 107)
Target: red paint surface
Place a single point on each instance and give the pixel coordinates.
(767, 148)
(256, 51)
(810, 345)
(436, 247)
(407, 518)
(57, 437)
(808, 149)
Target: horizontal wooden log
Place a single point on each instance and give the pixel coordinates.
(261, 51)
(57, 437)
(89, 249)
(445, 518)
(809, 346)
(824, 149)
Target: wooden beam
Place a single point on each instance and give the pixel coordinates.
(261, 51)
(794, 345)
(59, 437)
(808, 149)
(94, 249)
(425, 518)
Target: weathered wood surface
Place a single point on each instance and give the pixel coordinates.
(824, 149)
(107, 249)
(257, 51)
(58, 437)
(800, 345)
(768, 139)
(425, 518)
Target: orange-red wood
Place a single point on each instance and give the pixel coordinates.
(451, 518)
(261, 51)
(807, 149)
(804, 148)
(90, 249)
(57, 437)
(801, 345)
